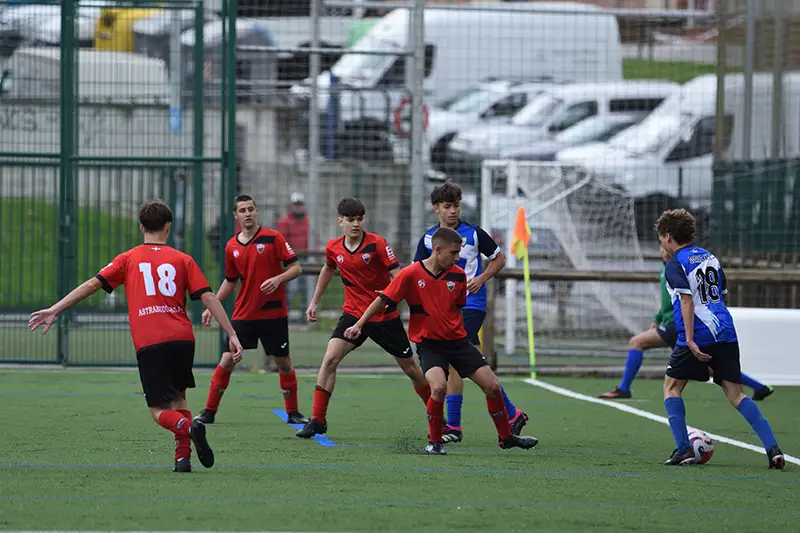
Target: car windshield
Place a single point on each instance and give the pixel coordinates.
(472, 101)
(592, 129)
(538, 111)
(652, 134)
(353, 66)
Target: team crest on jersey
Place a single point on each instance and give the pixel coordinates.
(451, 285)
(236, 253)
(339, 259)
(421, 283)
(463, 241)
(259, 248)
(366, 258)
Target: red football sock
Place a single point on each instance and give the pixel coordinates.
(289, 389)
(497, 410)
(219, 382)
(435, 419)
(424, 392)
(174, 421)
(320, 408)
(183, 444)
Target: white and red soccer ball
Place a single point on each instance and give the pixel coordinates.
(702, 445)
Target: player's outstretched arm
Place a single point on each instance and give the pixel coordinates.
(292, 271)
(225, 290)
(374, 308)
(214, 306)
(46, 317)
(323, 281)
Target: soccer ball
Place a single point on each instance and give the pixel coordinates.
(702, 445)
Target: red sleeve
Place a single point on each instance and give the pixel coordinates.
(386, 255)
(396, 291)
(330, 257)
(284, 251)
(231, 272)
(113, 275)
(196, 282)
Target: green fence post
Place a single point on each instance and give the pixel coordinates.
(198, 227)
(66, 176)
(228, 126)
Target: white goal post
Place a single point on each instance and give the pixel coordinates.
(577, 223)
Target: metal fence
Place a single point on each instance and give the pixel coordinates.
(382, 101)
(88, 134)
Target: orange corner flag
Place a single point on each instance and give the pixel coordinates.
(522, 235)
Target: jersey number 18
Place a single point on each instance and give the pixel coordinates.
(166, 279)
(708, 284)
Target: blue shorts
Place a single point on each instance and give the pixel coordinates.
(473, 320)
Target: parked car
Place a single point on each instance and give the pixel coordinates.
(595, 129)
(549, 113)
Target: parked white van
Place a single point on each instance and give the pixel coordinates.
(667, 158)
(462, 47)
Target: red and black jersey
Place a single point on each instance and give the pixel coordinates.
(364, 272)
(435, 301)
(262, 257)
(156, 279)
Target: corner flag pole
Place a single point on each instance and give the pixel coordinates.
(519, 247)
(529, 311)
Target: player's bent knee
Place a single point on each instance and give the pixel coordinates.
(226, 361)
(672, 387)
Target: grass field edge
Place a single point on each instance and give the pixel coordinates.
(648, 415)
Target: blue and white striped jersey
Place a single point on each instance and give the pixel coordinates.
(474, 243)
(697, 272)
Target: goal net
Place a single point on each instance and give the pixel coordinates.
(577, 223)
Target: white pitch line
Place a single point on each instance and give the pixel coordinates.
(645, 414)
(112, 531)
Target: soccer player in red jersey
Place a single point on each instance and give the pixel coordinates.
(157, 278)
(256, 256)
(366, 264)
(436, 290)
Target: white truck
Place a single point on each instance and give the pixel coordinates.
(569, 41)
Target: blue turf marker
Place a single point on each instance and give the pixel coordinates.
(322, 439)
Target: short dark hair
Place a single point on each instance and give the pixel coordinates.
(351, 207)
(678, 223)
(242, 198)
(446, 192)
(445, 236)
(154, 215)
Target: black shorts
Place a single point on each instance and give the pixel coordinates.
(460, 354)
(273, 334)
(389, 335)
(473, 321)
(165, 371)
(724, 362)
(668, 334)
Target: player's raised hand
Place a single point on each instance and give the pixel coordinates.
(43, 317)
(353, 332)
(206, 318)
(698, 354)
(271, 285)
(236, 349)
(311, 312)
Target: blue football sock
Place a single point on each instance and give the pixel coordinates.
(747, 381)
(752, 414)
(632, 365)
(676, 411)
(512, 411)
(454, 402)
